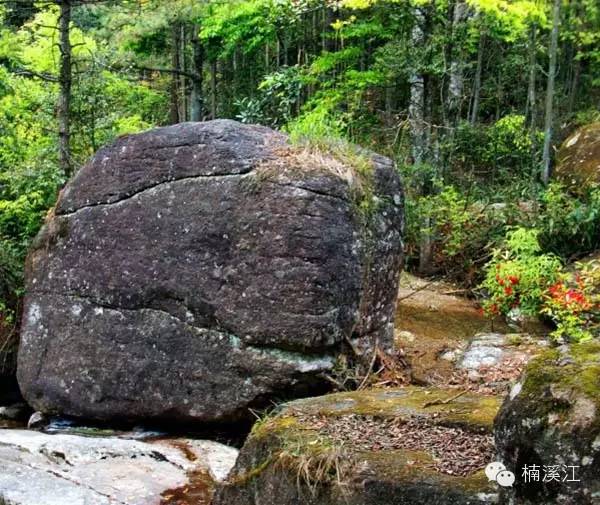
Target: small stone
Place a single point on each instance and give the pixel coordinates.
(37, 421)
(14, 412)
(474, 376)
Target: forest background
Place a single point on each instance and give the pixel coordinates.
(470, 97)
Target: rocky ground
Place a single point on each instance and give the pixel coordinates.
(423, 443)
(427, 442)
(447, 340)
(129, 468)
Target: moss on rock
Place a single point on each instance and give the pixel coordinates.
(470, 411)
(552, 417)
(289, 460)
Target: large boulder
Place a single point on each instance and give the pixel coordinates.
(578, 159)
(192, 272)
(551, 423)
(405, 446)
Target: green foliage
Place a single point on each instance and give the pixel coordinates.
(449, 214)
(316, 126)
(519, 274)
(569, 226)
(276, 100)
(502, 150)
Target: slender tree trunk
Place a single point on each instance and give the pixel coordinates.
(416, 115)
(574, 86)
(213, 88)
(183, 86)
(324, 29)
(416, 107)
(456, 80)
(549, 116)
(65, 80)
(531, 109)
(174, 105)
(267, 58)
(197, 95)
(477, 81)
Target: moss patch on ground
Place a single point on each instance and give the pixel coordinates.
(469, 411)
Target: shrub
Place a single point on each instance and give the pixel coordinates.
(572, 303)
(519, 275)
(500, 151)
(569, 226)
(461, 230)
(569, 307)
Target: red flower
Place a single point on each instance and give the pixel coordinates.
(573, 295)
(508, 291)
(555, 289)
(513, 279)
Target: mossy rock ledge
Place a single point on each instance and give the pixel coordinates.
(370, 448)
(552, 419)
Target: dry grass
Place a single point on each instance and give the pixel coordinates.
(316, 462)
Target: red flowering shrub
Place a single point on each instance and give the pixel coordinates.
(518, 275)
(571, 304)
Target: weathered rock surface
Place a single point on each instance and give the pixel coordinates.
(578, 159)
(552, 419)
(39, 469)
(193, 271)
(369, 448)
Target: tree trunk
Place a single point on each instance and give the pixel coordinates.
(416, 107)
(456, 81)
(416, 115)
(213, 89)
(477, 82)
(531, 108)
(65, 83)
(174, 105)
(183, 85)
(574, 86)
(197, 95)
(549, 116)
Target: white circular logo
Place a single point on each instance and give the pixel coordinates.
(494, 469)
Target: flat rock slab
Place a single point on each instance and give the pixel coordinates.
(396, 447)
(41, 469)
(490, 349)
